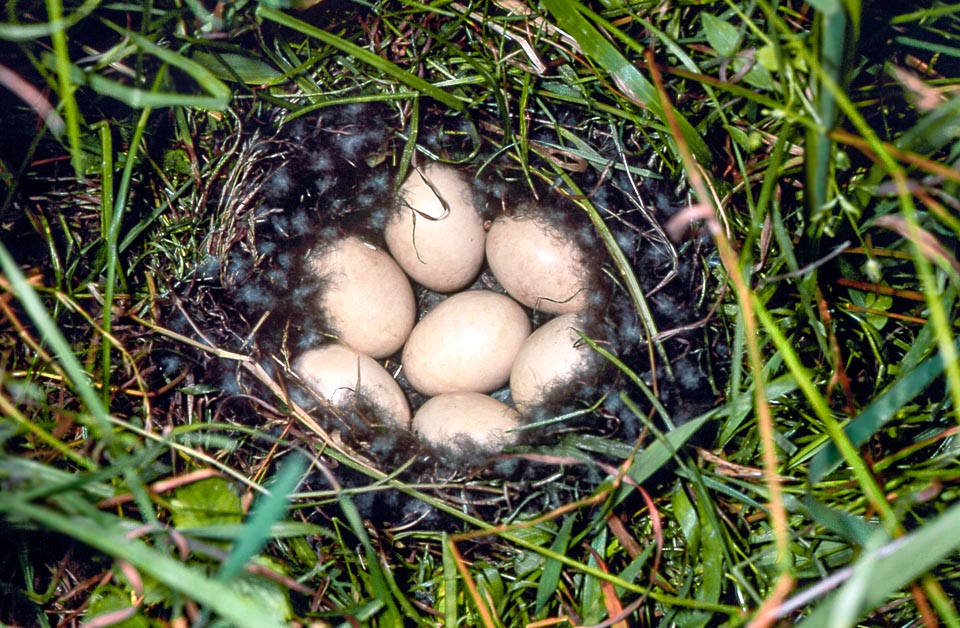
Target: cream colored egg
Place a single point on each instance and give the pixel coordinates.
(337, 373)
(367, 300)
(535, 266)
(467, 343)
(466, 418)
(553, 356)
(437, 236)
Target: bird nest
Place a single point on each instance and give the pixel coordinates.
(297, 187)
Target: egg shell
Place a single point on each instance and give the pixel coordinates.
(467, 343)
(337, 373)
(440, 247)
(535, 266)
(367, 299)
(553, 356)
(466, 418)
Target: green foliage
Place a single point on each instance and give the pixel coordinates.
(820, 139)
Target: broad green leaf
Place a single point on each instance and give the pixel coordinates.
(722, 36)
(212, 501)
(854, 529)
(229, 66)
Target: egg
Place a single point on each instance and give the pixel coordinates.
(338, 374)
(466, 419)
(536, 266)
(367, 299)
(554, 356)
(466, 343)
(437, 236)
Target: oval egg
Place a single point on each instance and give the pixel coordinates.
(535, 266)
(553, 357)
(469, 419)
(337, 373)
(467, 343)
(437, 236)
(367, 299)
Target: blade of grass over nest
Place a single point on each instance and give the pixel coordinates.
(368, 57)
(107, 534)
(624, 268)
(883, 570)
(569, 15)
(269, 510)
(735, 274)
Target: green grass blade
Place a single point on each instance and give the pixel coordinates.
(380, 591)
(890, 567)
(355, 51)
(569, 15)
(550, 576)
(269, 510)
(67, 86)
(881, 410)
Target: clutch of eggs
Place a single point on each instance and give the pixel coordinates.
(471, 343)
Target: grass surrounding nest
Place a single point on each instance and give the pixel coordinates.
(820, 147)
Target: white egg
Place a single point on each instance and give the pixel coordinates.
(535, 266)
(338, 374)
(466, 343)
(437, 236)
(367, 299)
(466, 418)
(553, 356)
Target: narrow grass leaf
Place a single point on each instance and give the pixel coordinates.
(550, 577)
(876, 415)
(651, 459)
(269, 510)
(378, 589)
(889, 568)
(218, 94)
(362, 54)
(854, 529)
(449, 584)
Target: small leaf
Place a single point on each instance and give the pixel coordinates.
(207, 502)
(723, 36)
(230, 66)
